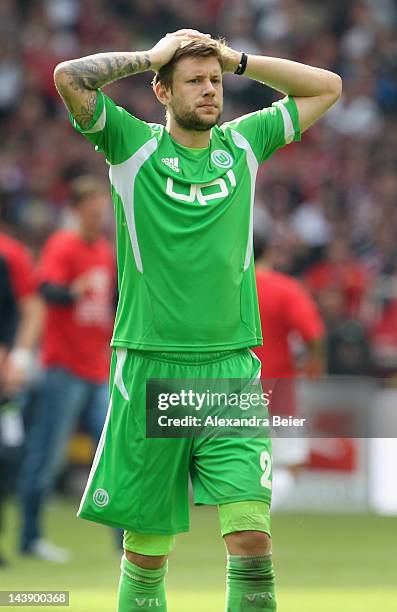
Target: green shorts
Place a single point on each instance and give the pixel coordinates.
(141, 484)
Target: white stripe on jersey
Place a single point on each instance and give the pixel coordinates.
(122, 177)
(241, 142)
(289, 131)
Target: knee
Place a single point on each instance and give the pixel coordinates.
(146, 550)
(145, 561)
(246, 527)
(250, 543)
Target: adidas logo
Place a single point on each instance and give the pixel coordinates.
(171, 162)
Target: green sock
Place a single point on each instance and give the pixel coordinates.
(141, 589)
(250, 584)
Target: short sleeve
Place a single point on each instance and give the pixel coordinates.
(114, 131)
(270, 128)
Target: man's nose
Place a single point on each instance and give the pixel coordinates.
(209, 88)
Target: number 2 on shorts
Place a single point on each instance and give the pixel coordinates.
(266, 466)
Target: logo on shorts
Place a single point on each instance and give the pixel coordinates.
(254, 597)
(221, 158)
(101, 498)
(153, 602)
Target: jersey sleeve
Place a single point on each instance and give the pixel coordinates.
(269, 128)
(114, 131)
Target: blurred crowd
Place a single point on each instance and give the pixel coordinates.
(327, 205)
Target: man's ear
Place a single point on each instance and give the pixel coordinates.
(162, 93)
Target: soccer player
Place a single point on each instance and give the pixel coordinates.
(183, 196)
(286, 308)
(20, 326)
(77, 281)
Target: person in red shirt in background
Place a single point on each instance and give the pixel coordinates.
(8, 317)
(77, 282)
(286, 310)
(340, 269)
(17, 366)
(383, 327)
(20, 326)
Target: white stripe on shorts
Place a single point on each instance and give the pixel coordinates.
(121, 355)
(257, 377)
(97, 457)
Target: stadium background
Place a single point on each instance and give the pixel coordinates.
(328, 205)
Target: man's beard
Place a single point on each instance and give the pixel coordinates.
(190, 120)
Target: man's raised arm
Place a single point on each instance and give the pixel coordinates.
(315, 90)
(77, 81)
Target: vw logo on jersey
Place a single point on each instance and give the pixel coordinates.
(101, 498)
(221, 158)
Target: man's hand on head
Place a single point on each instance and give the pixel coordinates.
(231, 58)
(164, 50)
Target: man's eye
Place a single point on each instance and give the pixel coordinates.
(193, 81)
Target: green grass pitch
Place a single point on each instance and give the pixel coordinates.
(324, 563)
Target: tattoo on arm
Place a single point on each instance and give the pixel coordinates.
(98, 70)
(82, 107)
(82, 77)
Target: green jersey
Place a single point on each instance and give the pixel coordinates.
(184, 222)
